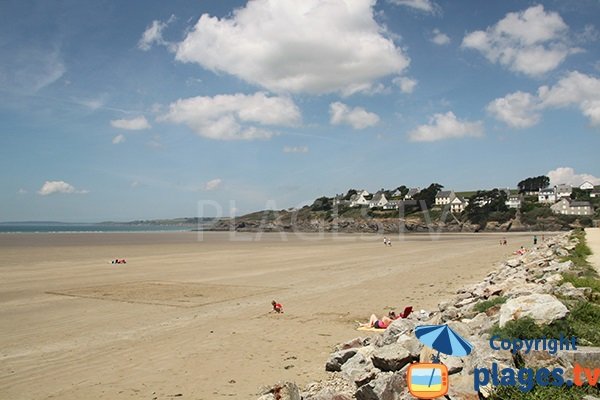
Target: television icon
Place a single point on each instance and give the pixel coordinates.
(427, 380)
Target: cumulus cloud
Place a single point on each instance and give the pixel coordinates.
(213, 184)
(446, 126)
(234, 117)
(531, 42)
(357, 117)
(440, 38)
(295, 149)
(118, 139)
(308, 46)
(517, 110)
(406, 85)
(51, 187)
(153, 34)
(521, 110)
(567, 176)
(134, 124)
(422, 5)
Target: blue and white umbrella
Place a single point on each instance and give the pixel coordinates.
(443, 339)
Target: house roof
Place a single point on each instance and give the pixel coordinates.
(444, 193)
(580, 204)
(547, 190)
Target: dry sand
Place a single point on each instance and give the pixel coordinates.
(191, 317)
(592, 237)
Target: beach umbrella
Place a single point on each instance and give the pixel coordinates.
(443, 339)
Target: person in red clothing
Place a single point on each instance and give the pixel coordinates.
(277, 307)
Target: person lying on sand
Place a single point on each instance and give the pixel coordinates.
(277, 307)
(382, 323)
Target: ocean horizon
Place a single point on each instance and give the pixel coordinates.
(66, 227)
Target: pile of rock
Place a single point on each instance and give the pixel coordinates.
(374, 368)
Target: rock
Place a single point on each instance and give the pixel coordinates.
(387, 386)
(283, 391)
(352, 344)
(443, 305)
(360, 369)
(480, 323)
(568, 290)
(411, 344)
(483, 356)
(526, 289)
(397, 328)
(391, 358)
(513, 262)
(542, 308)
(454, 364)
(337, 359)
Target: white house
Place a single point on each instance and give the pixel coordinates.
(411, 193)
(569, 207)
(444, 197)
(359, 199)
(595, 193)
(397, 193)
(458, 204)
(378, 200)
(513, 202)
(586, 186)
(547, 196)
(563, 191)
(391, 205)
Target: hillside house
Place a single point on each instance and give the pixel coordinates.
(411, 193)
(569, 207)
(547, 196)
(458, 204)
(444, 197)
(586, 186)
(563, 191)
(359, 199)
(378, 200)
(513, 202)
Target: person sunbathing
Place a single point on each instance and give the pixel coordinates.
(382, 323)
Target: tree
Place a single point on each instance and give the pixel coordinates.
(533, 184)
(350, 193)
(428, 195)
(483, 203)
(322, 204)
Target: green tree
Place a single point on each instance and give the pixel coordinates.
(322, 204)
(485, 202)
(533, 184)
(428, 195)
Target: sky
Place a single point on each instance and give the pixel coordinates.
(143, 109)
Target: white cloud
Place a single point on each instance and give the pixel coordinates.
(134, 124)
(21, 191)
(118, 139)
(440, 38)
(531, 42)
(446, 126)
(295, 149)
(521, 110)
(29, 69)
(567, 176)
(357, 117)
(308, 46)
(234, 117)
(422, 5)
(153, 34)
(517, 110)
(51, 187)
(213, 184)
(406, 85)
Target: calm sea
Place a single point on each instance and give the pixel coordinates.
(74, 228)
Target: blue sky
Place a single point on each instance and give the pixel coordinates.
(124, 110)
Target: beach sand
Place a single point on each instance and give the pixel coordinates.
(189, 315)
(592, 237)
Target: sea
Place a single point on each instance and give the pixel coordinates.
(59, 227)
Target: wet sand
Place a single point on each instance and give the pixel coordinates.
(189, 315)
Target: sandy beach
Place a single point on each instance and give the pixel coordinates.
(191, 317)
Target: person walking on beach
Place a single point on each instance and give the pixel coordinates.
(534, 240)
(385, 241)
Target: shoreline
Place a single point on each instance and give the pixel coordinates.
(105, 336)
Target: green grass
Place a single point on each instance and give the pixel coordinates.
(483, 306)
(583, 322)
(544, 393)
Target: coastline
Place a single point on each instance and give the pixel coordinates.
(79, 327)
